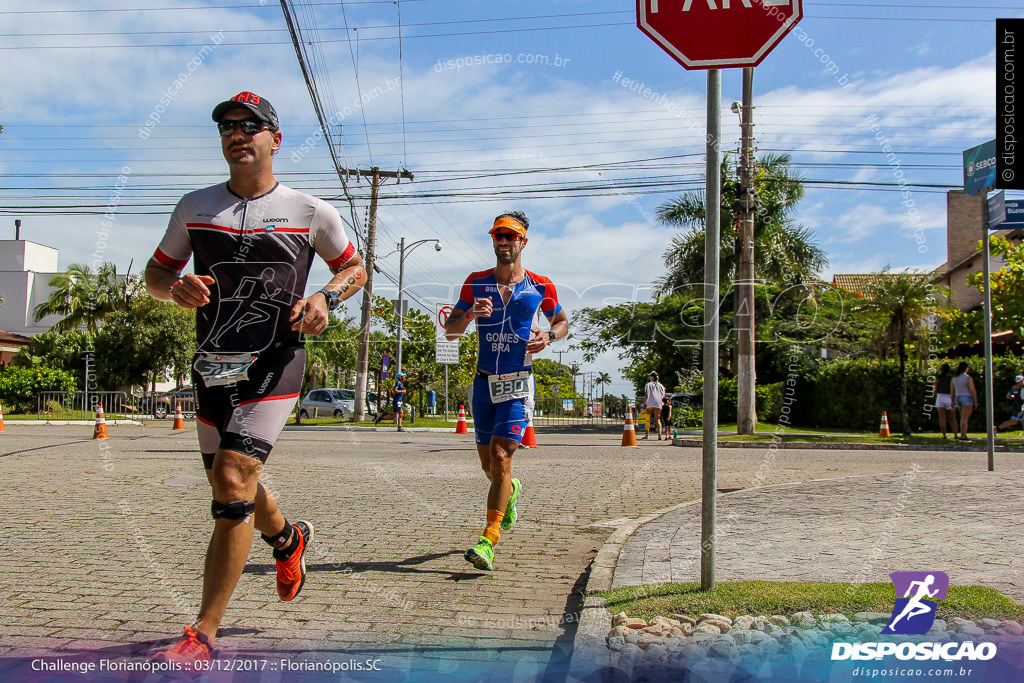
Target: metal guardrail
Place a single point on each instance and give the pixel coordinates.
(556, 412)
(117, 405)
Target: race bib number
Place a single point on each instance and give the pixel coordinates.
(219, 369)
(508, 387)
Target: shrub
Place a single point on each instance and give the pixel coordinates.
(19, 387)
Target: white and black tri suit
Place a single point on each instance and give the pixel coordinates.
(259, 252)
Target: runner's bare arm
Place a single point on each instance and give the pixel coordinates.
(459, 320)
(310, 315)
(166, 284)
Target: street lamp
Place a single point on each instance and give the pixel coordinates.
(403, 250)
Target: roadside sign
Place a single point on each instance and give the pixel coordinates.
(1014, 214)
(445, 352)
(980, 167)
(704, 34)
(997, 210)
(442, 315)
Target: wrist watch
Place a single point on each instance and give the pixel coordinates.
(333, 298)
(551, 337)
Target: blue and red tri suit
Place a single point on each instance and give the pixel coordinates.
(501, 346)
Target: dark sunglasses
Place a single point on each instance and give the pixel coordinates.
(506, 236)
(248, 127)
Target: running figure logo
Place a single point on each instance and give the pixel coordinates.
(914, 612)
(247, 317)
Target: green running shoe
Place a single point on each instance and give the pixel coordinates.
(481, 555)
(509, 520)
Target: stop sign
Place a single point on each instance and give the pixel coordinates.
(717, 34)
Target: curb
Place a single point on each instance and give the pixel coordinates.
(846, 446)
(589, 650)
(347, 428)
(73, 423)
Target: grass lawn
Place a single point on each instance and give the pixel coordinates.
(737, 598)
(814, 435)
(426, 421)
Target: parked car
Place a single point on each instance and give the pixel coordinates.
(162, 405)
(327, 403)
(186, 396)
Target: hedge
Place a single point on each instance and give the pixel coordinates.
(852, 394)
(20, 386)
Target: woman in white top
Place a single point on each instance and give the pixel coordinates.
(654, 394)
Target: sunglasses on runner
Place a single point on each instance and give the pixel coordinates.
(506, 237)
(248, 127)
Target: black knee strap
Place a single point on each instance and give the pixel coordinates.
(240, 509)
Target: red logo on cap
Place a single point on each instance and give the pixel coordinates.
(246, 97)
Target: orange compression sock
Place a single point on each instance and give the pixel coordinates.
(493, 531)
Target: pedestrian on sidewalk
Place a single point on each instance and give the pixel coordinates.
(943, 388)
(397, 403)
(666, 415)
(1016, 396)
(654, 397)
(965, 397)
(254, 242)
(503, 300)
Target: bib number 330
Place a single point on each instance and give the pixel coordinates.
(508, 387)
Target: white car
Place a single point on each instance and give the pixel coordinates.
(334, 403)
(326, 403)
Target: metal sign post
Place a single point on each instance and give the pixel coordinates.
(980, 178)
(712, 211)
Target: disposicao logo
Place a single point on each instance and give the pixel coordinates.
(914, 614)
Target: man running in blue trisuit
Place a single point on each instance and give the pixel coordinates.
(503, 301)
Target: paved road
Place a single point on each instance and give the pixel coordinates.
(109, 541)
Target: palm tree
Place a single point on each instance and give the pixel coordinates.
(785, 251)
(83, 297)
(906, 300)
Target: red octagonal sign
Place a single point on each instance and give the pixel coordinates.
(717, 34)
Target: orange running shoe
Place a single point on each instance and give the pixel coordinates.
(194, 647)
(291, 571)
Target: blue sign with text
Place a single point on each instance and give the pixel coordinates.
(980, 167)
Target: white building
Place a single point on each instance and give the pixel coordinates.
(25, 269)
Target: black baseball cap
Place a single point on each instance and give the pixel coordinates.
(260, 106)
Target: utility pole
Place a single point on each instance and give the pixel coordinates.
(746, 408)
(363, 360)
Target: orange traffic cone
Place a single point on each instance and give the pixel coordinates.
(884, 429)
(100, 431)
(2, 430)
(628, 432)
(460, 427)
(529, 438)
(179, 420)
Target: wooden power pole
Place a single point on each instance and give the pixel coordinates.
(376, 176)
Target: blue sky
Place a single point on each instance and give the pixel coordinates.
(491, 105)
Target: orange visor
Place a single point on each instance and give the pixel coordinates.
(508, 223)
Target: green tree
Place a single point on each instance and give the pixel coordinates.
(906, 301)
(144, 341)
(83, 298)
(966, 327)
(785, 251)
